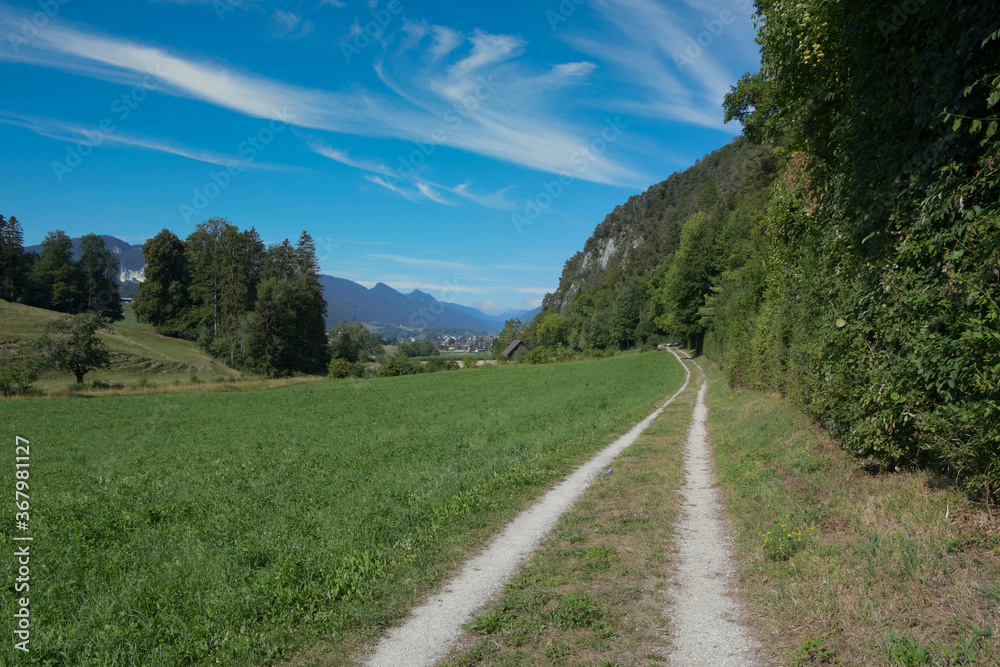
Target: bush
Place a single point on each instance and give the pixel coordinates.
(17, 377)
(436, 365)
(340, 368)
(395, 365)
(540, 355)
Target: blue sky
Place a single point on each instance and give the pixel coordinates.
(462, 148)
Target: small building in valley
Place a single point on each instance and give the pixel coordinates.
(514, 346)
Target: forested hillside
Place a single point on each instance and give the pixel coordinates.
(862, 282)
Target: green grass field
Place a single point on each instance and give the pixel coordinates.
(297, 522)
(139, 354)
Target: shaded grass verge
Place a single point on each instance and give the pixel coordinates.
(843, 562)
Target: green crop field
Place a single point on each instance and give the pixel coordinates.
(138, 354)
(246, 528)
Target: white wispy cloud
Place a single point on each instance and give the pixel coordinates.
(531, 303)
(515, 116)
(289, 24)
(678, 60)
(522, 267)
(489, 304)
(429, 192)
(93, 136)
(495, 200)
(419, 262)
(378, 180)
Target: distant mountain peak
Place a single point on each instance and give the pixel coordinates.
(421, 296)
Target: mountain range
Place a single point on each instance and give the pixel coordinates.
(345, 299)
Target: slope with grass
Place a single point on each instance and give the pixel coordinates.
(247, 528)
(843, 561)
(139, 354)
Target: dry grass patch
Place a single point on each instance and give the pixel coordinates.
(595, 591)
(844, 562)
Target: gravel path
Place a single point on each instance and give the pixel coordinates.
(706, 629)
(433, 628)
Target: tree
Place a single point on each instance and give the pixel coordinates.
(98, 269)
(163, 300)
(394, 365)
(72, 343)
(626, 314)
(268, 328)
(512, 330)
(354, 342)
(54, 281)
(311, 351)
(207, 265)
(11, 259)
(552, 330)
(684, 284)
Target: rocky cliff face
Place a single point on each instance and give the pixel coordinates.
(639, 234)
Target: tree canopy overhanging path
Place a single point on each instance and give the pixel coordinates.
(702, 608)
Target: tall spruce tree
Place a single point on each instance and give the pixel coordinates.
(98, 270)
(54, 281)
(163, 299)
(12, 260)
(311, 349)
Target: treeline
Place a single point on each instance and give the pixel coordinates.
(53, 279)
(258, 308)
(869, 291)
(863, 281)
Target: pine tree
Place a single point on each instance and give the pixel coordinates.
(11, 258)
(312, 351)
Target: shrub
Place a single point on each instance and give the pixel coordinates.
(17, 377)
(540, 355)
(340, 368)
(395, 365)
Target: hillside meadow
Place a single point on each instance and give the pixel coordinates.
(140, 357)
(295, 522)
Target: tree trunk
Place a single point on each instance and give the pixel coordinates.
(79, 377)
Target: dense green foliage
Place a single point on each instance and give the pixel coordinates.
(72, 344)
(353, 341)
(307, 514)
(259, 309)
(610, 294)
(53, 279)
(876, 306)
(846, 252)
